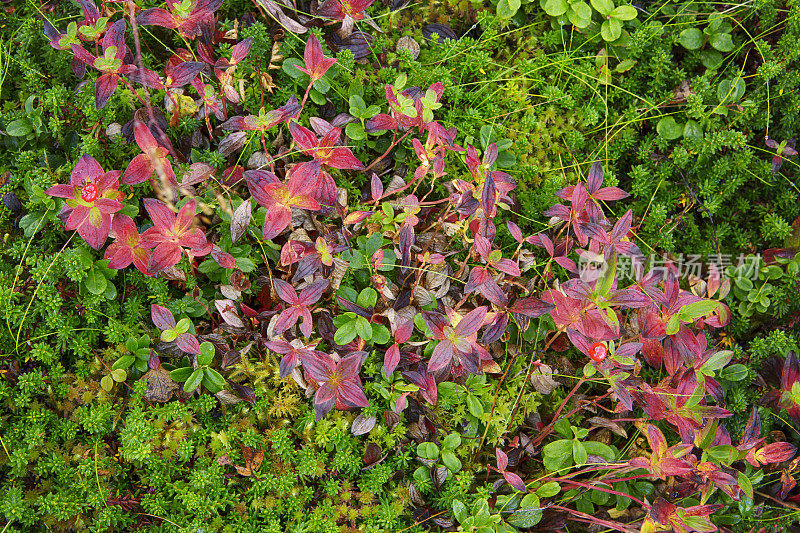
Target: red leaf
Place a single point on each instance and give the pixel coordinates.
(188, 343)
(376, 187)
(313, 292)
(777, 452)
(184, 73)
(380, 122)
(164, 255)
(442, 356)
(531, 307)
(515, 481)
(502, 459)
(471, 323)
(277, 219)
(162, 317)
(391, 359)
(156, 16)
(286, 292)
(104, 87)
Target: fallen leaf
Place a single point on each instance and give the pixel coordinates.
(240, 220)
(362, 424)
(159, 385)
(252, 460)
(542, 380)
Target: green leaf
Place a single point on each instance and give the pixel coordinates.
(604, 7)
(182, 326)
(579, 453)
(487, 135)
(367, 298)
(730, 90)
(711, 59)
(181, 374)
(290, 67)
(554, 8)
(580, 14)
(357, 106)
(20, 127)
(718, 360)
(428, 450)
(693, 130)
(317, 97)
(213, 380)
(107, 383)
(119, 375)
(95, 281)
(452, 441)
(528, 514)
(506, 9)
(460, 511)
(548, 489)
(625, 66)
(193, 381)
(363, 328)
(691, 38)
(624, 12)
(123, 362)
(355, 130)
(721, 41)
(380, 334)
(206, 354)
(598, 448)
(475, 406)
(451, 461)
(693, 311)
(669, 129)
(558, 448)
(346, 333)
(111, 292)
(168, 335)
(745, 484)
(611, 30)
(736, 372)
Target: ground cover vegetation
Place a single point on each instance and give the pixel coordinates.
(360, 265)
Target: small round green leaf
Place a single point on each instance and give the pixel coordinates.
(95, 281)
(548, 489)
(451, 461)
(624, 12)
(669, 129)
(691, 38)
(206, 354)
(428, 450)
(721, 41)
(554, 8)
(611, 30)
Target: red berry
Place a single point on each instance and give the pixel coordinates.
(89, 192)
(597, 352)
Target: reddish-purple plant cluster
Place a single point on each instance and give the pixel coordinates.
(463, 305)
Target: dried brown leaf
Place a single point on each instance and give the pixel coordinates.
(240, 220)
(160, 386)
(252, 460)
(362, 424)
(542, 380)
